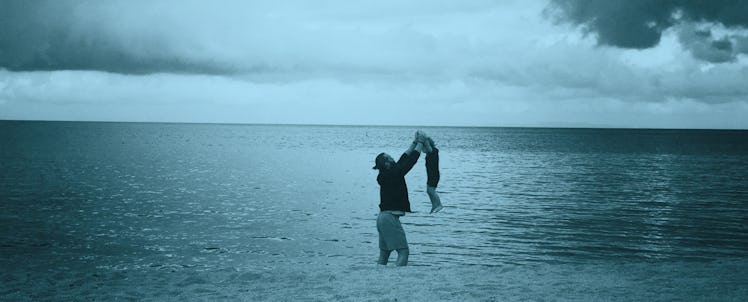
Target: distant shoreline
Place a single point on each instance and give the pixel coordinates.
(552, 126)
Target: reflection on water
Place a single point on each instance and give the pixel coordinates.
(174, 196)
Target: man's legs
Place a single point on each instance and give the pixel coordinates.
(402, 257)
(384, 256)
(391, 235)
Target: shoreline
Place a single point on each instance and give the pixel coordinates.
(549, 126)
(716, 281)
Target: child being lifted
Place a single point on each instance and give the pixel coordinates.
(432, 170)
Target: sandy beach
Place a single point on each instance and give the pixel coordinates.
(712, 281)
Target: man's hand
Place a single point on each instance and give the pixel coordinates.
(421, 137)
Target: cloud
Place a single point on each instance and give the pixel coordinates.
(431, 62)
(211, 98)
(78, 35)
(228, 37)
(704, 46)
(640, 24)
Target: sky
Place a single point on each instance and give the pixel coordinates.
(545, 63)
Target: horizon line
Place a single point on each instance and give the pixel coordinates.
(550, 126)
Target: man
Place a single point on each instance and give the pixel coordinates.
(393, 202)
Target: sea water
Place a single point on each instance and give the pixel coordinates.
(148, 196)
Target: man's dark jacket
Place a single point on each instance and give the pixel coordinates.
(393, 192)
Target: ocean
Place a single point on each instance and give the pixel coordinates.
(90, 203)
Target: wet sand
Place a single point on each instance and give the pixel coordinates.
(668, 281)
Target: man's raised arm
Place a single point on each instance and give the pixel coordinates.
(410, 156)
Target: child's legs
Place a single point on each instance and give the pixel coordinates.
(384, 256)
(432, 168)
(436, 202)
(431, 191)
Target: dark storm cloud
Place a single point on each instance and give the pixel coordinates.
(639, 24)
(704, 46)
(60, 35)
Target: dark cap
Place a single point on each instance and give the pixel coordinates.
(379, 161)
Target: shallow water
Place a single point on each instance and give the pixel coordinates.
(144, 197)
